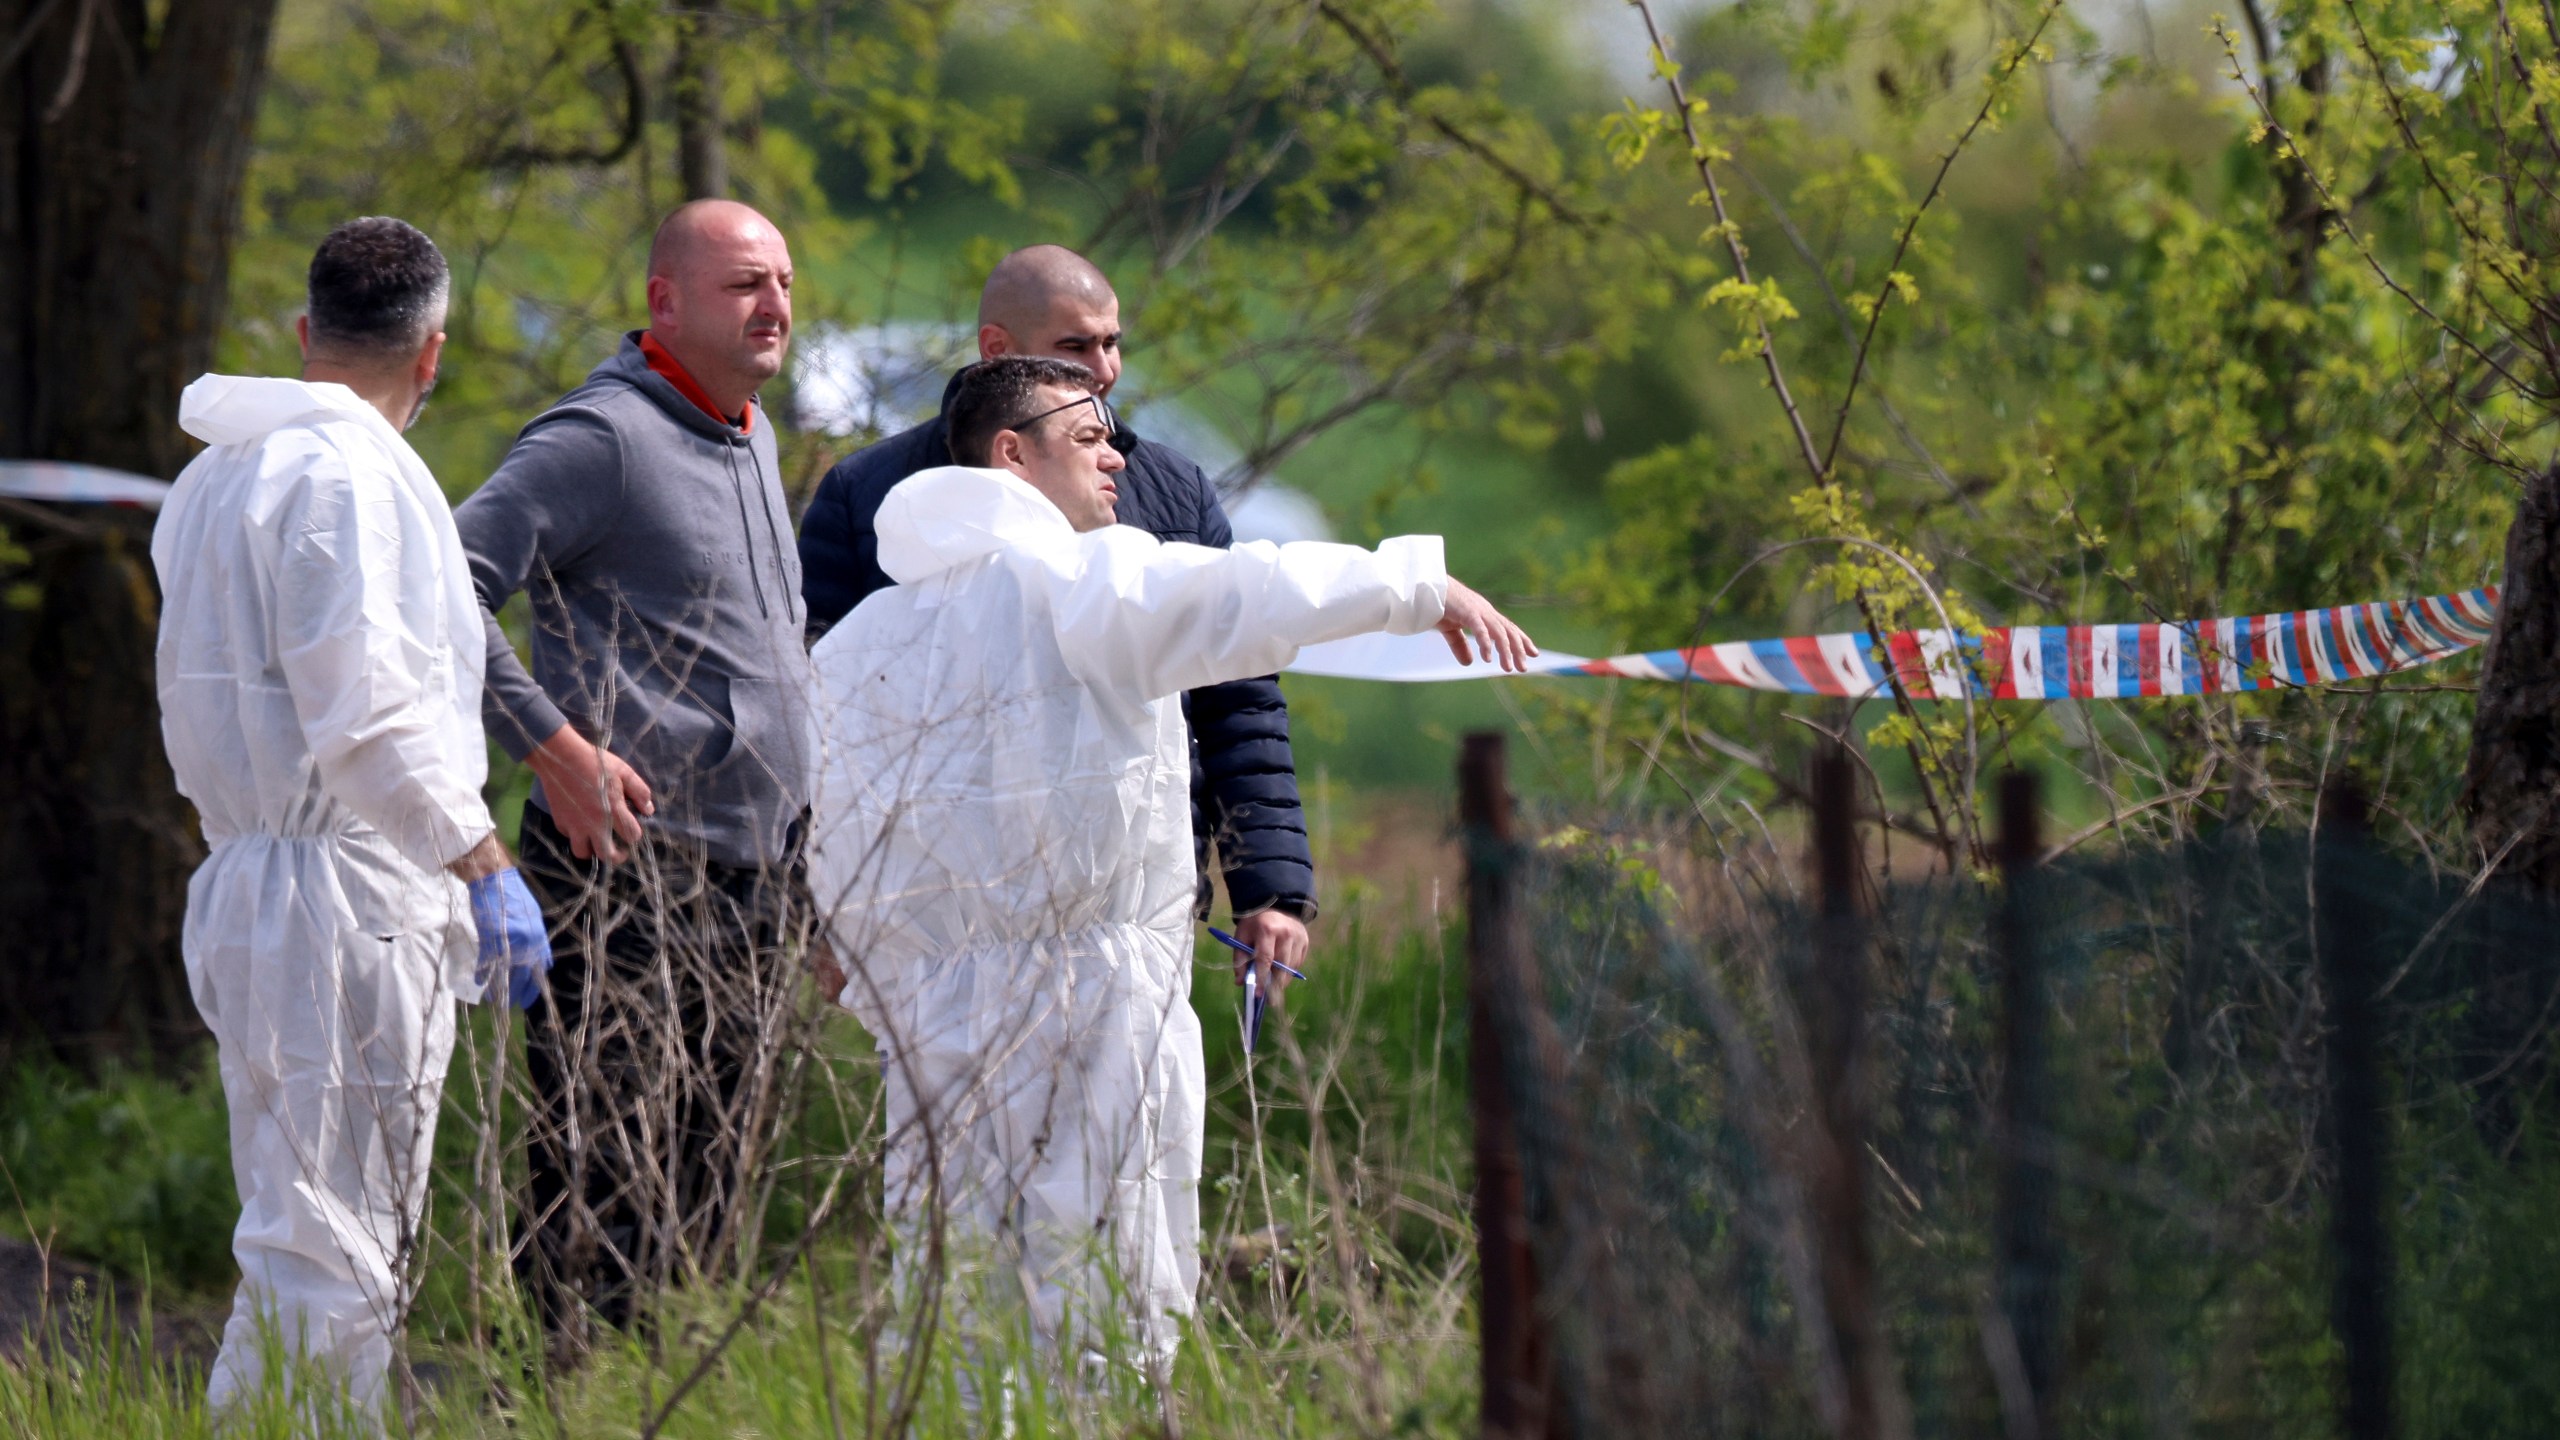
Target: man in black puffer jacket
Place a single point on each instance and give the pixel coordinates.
(1048, 300)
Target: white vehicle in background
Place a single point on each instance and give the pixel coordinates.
(880, 379)
(59, 482)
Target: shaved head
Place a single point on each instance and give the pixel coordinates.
(700, 226)
(1048, 300)
(1025, 285)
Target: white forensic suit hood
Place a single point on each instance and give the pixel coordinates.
(319, 665)
(1002, 839)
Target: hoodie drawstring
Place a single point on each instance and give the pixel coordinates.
(764, 493)
(746, 531)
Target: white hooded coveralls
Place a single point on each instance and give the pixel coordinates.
(1002, 841)
(319, 665)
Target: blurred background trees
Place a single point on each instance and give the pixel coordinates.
(2201, 321)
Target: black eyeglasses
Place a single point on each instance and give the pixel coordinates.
(1102, 412)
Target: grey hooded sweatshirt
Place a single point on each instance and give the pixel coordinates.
(655, 544)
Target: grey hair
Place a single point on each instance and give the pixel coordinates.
(378, 288)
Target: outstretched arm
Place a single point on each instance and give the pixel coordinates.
(1147, 619)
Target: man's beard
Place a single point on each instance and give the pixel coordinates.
(420, 408)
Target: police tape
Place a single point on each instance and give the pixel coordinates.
(2292, 650)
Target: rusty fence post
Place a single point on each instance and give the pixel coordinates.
(2027, 1244)
(2358, 1129)
(1516, 1359)
(1836, 1032)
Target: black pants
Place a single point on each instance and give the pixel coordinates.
(652, 1063)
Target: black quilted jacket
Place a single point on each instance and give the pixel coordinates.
(1244, 784)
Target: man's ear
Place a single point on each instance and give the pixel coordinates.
(430, 355)
(1011, 451)
(662, 300)
(302, 333)
(995, 340)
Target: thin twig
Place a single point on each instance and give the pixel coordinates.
(1732, 235)
(1911, 225)
(1849, 336)
(2293, 150)
(27, 33)
(1382, 55)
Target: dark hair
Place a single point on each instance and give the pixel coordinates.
(377, 286)
(999, 394)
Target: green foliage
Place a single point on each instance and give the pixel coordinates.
(130, 1170)
(2188, 347)
(1377, 1049)
(2072, 322)
(2481, 1279)
(532, 140)
(794, 1375)
(17, 594)
(2075, 325)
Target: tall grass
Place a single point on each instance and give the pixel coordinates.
(1335, 1298)
(130, 1170)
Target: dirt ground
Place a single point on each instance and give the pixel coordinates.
(49, 1298)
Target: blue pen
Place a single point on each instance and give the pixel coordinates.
(1241, 948)
(1253, 998)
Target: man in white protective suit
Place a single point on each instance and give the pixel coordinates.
(319, 674)
(1002, 840)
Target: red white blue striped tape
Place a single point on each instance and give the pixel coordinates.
(2020, 662)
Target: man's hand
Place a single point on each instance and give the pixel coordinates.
(515, 943)
(596, 799)
(515, 947)
(1470, 615)
(1274, 935)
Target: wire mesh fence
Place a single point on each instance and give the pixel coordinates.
(2249, 1135)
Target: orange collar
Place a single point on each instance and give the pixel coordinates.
(667, 365)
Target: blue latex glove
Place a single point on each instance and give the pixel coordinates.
(511, 935)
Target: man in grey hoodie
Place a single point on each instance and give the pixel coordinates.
(666, 722)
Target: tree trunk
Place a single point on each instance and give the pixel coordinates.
(124, 135)
(2513, 789)
(702, 149)
(2513, 795)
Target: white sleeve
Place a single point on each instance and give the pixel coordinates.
(1149, 618)
(360, 667)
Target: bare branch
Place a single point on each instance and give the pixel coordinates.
(1911, 226)
(1698, 152)
(1402, 88)
(27, 33)
(635, 107)
(76, 67)
(2346, 224)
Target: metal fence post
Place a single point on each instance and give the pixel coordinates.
(1836, 1026)
(2029, 1250)
(1516, 1360)
(2359, 1124)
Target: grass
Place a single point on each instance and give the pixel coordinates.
(1348, 1141)
(130, 1170)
